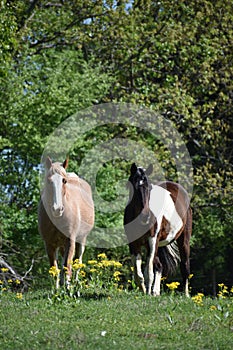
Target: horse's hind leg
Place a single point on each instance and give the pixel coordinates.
(79, 250)
(184, 248)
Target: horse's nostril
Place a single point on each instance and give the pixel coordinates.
(57, 210)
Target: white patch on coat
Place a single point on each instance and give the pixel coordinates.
(161, 204)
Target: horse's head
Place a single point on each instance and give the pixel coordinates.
(56, 179)
(141, 190)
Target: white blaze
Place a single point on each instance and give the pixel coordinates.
(57, 191)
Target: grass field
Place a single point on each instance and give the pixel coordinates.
(120, 320)
(100, 312)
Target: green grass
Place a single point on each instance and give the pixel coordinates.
(123, 320)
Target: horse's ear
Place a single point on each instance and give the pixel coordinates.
(133, 169)
(48, 163)
(149, 170)
(65, 163)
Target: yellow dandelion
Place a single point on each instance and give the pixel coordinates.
(1, 282)
(106, 263)
(213, 307)
(117, 264)
(19, 295)
(10, 281)
(102, 256)
(92, 270)
(4, 269)
(173, 285)
(198, 299)
(54, 271)
(82, 273)
(92, 262)
(78, 266)
(17, 281)
(116, 275)
(190, 276)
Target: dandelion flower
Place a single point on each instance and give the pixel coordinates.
(4, 269)
(19, 295)
(102, 256)
(213, 307)
(54, 271)
(92, 262)
(198, 299)
(116, 275)
(172, 286)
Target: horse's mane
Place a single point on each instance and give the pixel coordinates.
(58, 168)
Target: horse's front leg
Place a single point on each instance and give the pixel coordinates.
(150, 263)
(68, 259)
(158, 275)
(52, 255)
(138, 275)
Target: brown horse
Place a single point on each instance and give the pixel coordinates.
(159, 218)
(65, 215)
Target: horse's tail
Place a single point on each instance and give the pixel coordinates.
(169, 257)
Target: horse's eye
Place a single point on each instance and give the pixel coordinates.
(64, 181)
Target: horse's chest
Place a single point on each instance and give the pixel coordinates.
(169, 223)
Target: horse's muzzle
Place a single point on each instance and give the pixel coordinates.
(145, 218)
(57, 211)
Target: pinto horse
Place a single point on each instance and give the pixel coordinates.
(158, 218)
(65, 215)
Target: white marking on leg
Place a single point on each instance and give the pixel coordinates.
(81, 249)
(157, 283)
(186, 288)
(139, 272)
(152, 243)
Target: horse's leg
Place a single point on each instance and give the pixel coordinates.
(62, 252)
(52, 255)
(158, 275)
(184, 248)
(150, 262)
(79, 250)
(139, 278)
(68, 258)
